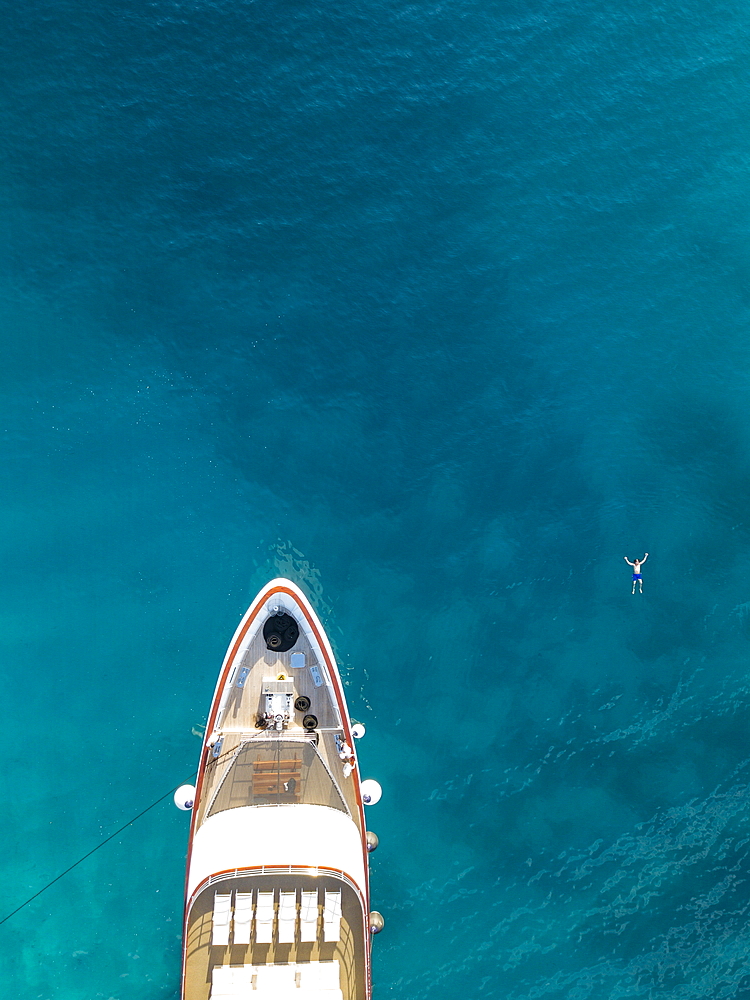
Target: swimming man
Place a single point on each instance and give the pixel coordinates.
(637, 570)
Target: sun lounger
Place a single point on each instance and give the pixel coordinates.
(273, 994)
(310, 995)
(308, 923)
(287, 917)
(243, 917)
(231, 981)
(222, 918)
(319, 976)
(243, 975)
(264, 918)
(276, 978)
(329, 976)
(222, 981)
(222, 977)
(332, 915)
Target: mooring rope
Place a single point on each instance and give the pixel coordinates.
(107, 840)
(213, 761)
(94, 850)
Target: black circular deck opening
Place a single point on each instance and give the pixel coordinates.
(280, 632)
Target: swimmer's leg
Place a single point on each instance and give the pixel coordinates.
(633, 591)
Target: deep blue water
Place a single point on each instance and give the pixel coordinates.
(441, 310)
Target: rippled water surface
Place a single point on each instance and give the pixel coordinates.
(441, 310)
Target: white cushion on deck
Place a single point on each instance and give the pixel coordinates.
(222, 918)
(264, 918)
(231, 980)
(287, 916)
(278, 978)
(308, 917)
(243, 917)
(319, 975)
(272, 994)
(332, 915)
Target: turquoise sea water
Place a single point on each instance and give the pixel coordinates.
(440, 310)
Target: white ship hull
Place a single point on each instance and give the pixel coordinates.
(277, 895)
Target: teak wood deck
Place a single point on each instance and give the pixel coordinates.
(243, 705)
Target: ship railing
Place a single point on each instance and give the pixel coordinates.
(275, 870)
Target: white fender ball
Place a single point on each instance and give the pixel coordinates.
(358, 730)
(371, 791)
(184, 797)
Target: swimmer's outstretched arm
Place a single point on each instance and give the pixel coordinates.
(628, 561)
(644, 559)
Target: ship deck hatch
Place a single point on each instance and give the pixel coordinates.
(274, 772)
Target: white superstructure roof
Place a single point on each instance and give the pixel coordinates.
(304, 835)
